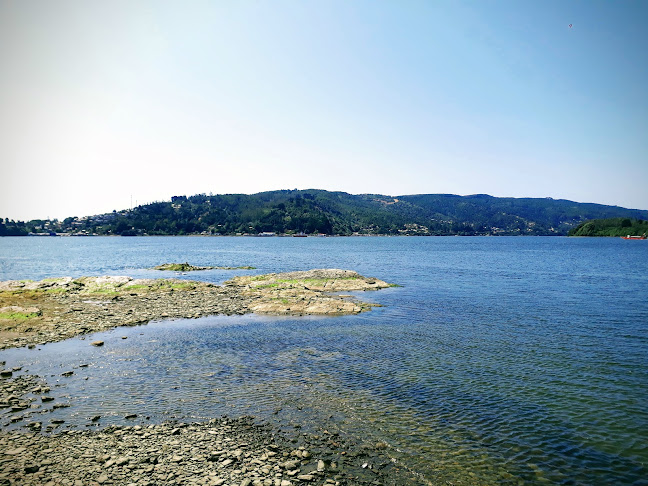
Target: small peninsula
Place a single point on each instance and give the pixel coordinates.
(55, 309)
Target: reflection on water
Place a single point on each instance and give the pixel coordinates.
(500, 361)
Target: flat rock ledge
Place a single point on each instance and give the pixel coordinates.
(223, 451)
(306, 292)
(38, 312)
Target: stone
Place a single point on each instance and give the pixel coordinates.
(290, 465)
(15, 452)
(97, 343)
(122, 461)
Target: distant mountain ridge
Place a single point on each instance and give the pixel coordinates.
(315, 211)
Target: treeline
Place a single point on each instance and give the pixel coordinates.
(611, 227)
(14, 228)
(333, 213)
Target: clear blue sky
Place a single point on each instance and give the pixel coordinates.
(101, 100)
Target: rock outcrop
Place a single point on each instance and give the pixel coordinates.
(306, 292)
(186, 267)
(60, 308)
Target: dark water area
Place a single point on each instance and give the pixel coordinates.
(498, 361)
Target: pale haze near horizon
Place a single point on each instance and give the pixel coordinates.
(101, 102)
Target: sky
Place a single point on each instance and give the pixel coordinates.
(104, 104)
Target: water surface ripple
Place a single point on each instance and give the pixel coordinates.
(499, 360)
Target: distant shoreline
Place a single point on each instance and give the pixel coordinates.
(320, 212)
(281, 236)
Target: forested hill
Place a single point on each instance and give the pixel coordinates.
(335, 213)
(611, 227)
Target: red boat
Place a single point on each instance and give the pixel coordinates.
(642, 237)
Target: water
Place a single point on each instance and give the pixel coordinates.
(498, 361)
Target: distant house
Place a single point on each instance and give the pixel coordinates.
(267, 233)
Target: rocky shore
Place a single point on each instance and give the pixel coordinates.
(228, 452)
(221, 451)
(50, 310)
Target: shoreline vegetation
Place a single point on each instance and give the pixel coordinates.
(219, 451)
(612, 227)
(315, 212)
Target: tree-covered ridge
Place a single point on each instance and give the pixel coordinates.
(334, 213)
(611, 227)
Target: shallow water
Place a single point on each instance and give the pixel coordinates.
(500, 360)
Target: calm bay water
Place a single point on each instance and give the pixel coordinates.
(499, 360)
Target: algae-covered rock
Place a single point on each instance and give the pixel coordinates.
(307, 292)
(18, 312)
(321, 280)
(57, 309)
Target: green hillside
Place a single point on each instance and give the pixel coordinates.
(334, 213)
(611, 227)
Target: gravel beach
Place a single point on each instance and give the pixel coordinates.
(223, 451)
